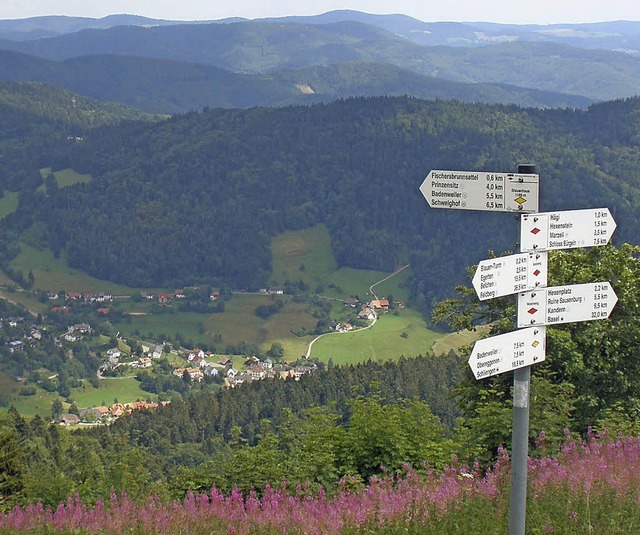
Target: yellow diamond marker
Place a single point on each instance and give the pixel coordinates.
(535, 343)
(520, 200)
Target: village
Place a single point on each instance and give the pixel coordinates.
(191, 366)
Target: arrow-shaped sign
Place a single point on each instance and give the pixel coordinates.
(566, 230)
(510, 274)
(566, 304)
(506, 352)
(473, 190)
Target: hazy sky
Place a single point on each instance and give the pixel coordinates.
(513, 11)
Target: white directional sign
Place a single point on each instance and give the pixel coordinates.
(510, 274)
(566, 304)
(469, 190)
(566, 230)
(506, 352)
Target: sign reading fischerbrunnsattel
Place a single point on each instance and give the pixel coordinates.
(474, 190)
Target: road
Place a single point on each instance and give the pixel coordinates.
(375, 317)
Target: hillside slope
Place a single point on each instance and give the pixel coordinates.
(199, 196)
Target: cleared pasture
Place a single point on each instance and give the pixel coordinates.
(8, 203)
(391, 337)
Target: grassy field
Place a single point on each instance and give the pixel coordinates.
(391, 337)
(8, 203)
(40, 404)
(455, 341)
(8, 385)
(237, 324)
(66, 177)
(306, 255)
(303, 255)
(124, 389)
(52, 274)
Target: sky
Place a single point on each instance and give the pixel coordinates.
(503, 11)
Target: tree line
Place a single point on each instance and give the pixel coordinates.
(198, 197)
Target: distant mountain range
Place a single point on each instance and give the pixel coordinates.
(618, 36)
(164, 66)
(170, 67)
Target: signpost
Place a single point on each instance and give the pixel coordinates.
(566, 230)
(471, 190)
(508, 275)
(566, 304)
(506, 352)
(526, 272)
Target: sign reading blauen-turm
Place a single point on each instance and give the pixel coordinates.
(566, 230)
(511, 274)
(471, 190)
(506, 352)
(566, 304)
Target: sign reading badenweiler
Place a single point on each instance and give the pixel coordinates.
(473, 190)
(506, 352)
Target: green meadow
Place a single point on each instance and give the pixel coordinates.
(53, 274)
(238, 323)
(301, 255)
(457, 341)
(65, 178)
(8, 203)
(124, 389)
(392, 336)
(306, 255)
(40, 404)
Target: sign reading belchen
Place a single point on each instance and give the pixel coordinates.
(511, 274)
(506, 352)
(471, 190)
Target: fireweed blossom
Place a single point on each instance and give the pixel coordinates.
(413, 499)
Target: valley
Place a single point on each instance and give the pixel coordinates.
(148, 316)
(221, 285)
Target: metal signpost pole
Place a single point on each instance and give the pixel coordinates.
(524, 274)
(520, 437)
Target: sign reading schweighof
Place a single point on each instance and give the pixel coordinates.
(472, 190)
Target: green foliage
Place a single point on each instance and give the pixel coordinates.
(591, 369)
(260, 172)
(12, 466)
(392, 436)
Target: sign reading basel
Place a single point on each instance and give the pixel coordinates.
(566, 304)
(470, 190)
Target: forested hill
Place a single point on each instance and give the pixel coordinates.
(198, 197)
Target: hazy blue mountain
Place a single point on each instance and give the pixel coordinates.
(265, 47)
(166, 86)
(621, 36)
